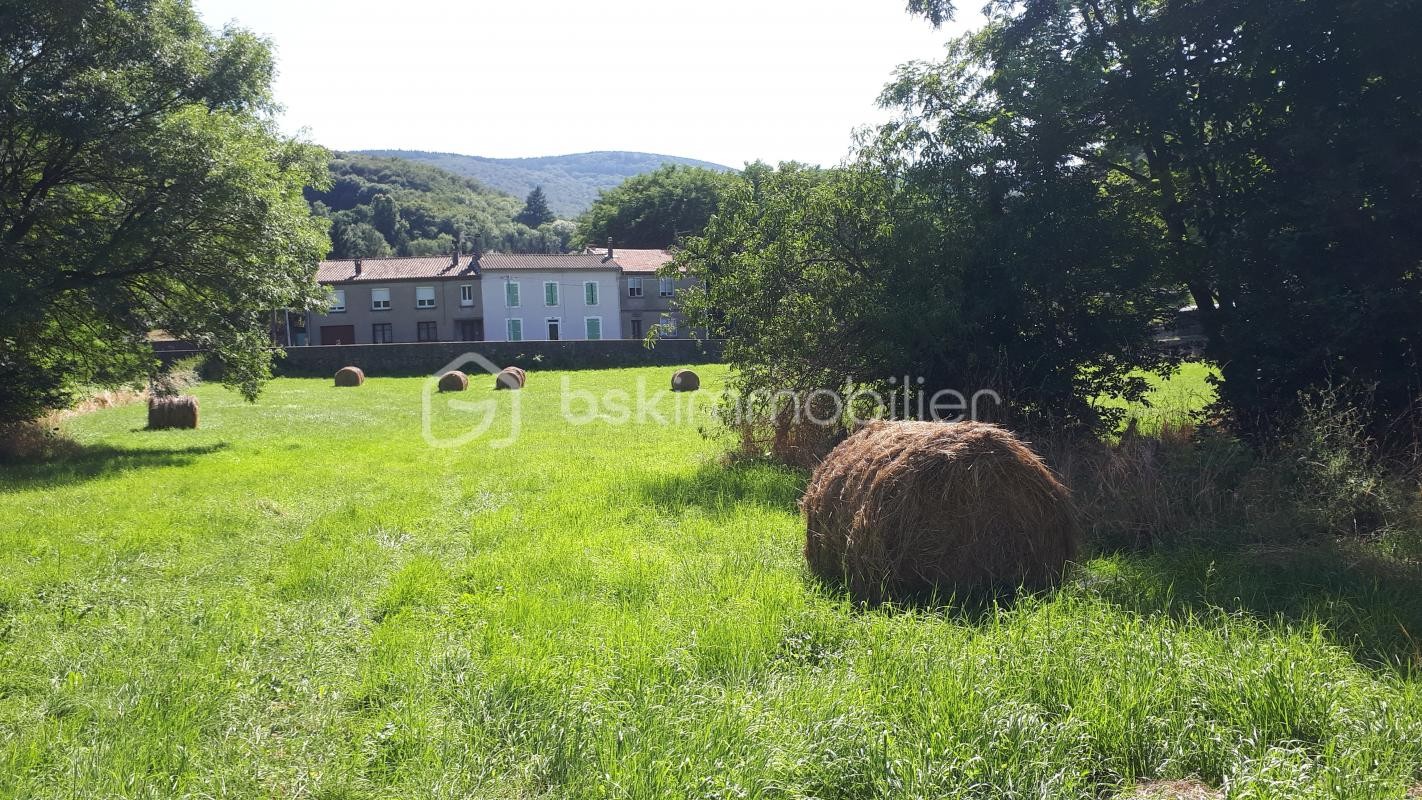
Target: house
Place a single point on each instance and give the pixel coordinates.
(534, 296)
(490, 296)
(647, 299)
(383, 300)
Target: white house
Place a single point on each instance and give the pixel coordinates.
(529, 297)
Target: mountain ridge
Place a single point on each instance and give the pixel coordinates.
(570, 181)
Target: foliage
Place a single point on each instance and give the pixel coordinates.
(654, 210)
(1024, 280)
(535, 209)
(1272, 147)
(606, 605)
(143, 186)
(391, 206)
(572, 182)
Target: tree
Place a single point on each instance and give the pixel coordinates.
(1271, 144)
(535, 210)
(359, 240)
(1026, 282)
(385, 216)
(654, 209)
(143, 186)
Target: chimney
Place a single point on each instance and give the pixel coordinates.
(478, 246)
(458, 246)
(357, 266)
(609, 247)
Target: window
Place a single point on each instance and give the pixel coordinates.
(515, 330)
(668, 287)
(634, 287)
(424, 297)
(337, 303)
(550, 293)
(668, 325)
(590, 293)
(511, 295)
(555, 329)
(466, 294)
(426, 332)
(636, 328)
(382, 333)
(379, 299)
(594, 327)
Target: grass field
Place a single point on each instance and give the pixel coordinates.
(305, 599)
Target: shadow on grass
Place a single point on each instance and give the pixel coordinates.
(96, 461)
(1369, 604)
(718, 489)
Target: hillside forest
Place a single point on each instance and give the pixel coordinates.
(394, 207)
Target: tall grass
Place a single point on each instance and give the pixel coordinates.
(302, 599)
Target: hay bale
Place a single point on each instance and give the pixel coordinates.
(684, 380)
(172, 412)
(453, 381)
(349, 376)
(510, 378)
(900, 510)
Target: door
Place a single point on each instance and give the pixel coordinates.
(636, 328)
(471, 330)
(553, 326)
(338, 334)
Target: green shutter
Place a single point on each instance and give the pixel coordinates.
(594, 328)
(550, 294)
(511, 294)
(515, 330)
(590, 293)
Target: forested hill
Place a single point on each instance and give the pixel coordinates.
(571, 182)
(394, 206)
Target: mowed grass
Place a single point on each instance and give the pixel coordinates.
(305, 599)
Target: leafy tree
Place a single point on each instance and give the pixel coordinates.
(143, 186)
(656, 209)
(359, 240)
(1025, 282)
(535, 210)
(1272, 145)
(385, 216)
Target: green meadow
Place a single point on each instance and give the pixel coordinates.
(305, 598)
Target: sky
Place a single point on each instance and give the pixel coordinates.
(728, 81)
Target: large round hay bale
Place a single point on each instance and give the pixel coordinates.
(510, 378)
(349, 376)
(684, 380)
(903, 510)
(172, 412)
(453, 381)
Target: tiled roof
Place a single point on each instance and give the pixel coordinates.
(501, 261)
(636, 260)
(394, 269)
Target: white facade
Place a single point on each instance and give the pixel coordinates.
(534, 311)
